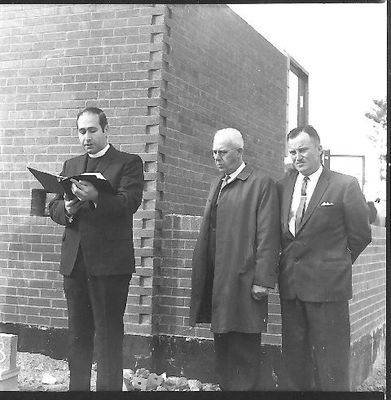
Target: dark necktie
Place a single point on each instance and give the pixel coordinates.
(303, 199)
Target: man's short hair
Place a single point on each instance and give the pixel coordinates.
(233, 135)
(98, 112)
(309, 129)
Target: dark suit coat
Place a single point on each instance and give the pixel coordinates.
(247, 244)
(105, 233)
(316, 265)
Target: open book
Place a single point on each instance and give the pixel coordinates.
(62, 184)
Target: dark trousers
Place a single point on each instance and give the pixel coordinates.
(316, 344)
(238, 360)
(96, 305)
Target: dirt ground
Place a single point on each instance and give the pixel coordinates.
(376, 382)
(42, 373)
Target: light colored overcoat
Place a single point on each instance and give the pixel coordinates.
(247, 247)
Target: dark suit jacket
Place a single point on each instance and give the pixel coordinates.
(105, 233)
(316, 265)
(247, 244)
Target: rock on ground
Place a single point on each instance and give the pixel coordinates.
(42, 373)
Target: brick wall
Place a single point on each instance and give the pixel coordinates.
(208, 82)
(218, 72)
(367, 308)
(55, 60)
(167, 78)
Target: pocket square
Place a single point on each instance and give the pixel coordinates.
(326, 204)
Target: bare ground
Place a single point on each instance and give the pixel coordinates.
(42, 373)
(376, 381)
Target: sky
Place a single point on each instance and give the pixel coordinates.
(343, 47)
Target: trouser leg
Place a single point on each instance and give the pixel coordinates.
(108, 298)
(81, 327)
(330, 337)
(296, 348)
(221, 360)
(245, 360)
(238, 360)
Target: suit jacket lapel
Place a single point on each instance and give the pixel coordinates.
(77, 166)
(320, 188)
(287, 201)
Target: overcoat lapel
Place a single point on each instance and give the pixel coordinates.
(320, 188)
(245, 173)
(204, 229)
(212, 191)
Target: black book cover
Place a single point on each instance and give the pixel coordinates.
(62, 184)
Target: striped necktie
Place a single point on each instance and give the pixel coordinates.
(303, 199)
(224, 183)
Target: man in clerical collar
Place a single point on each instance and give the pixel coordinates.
(97, 255)
(235, 262)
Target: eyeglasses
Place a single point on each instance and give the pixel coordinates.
(222, 153)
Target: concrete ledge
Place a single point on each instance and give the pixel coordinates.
(194, 357)
(48, 341)
(365, 352)
(9, 380)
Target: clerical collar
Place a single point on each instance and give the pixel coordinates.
(237, 172)
(101, 152)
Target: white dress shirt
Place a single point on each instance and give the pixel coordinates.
(312, 181)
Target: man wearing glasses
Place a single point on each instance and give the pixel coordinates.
(235, 262)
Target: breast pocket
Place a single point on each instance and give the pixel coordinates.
(327, 216)
(328, 209)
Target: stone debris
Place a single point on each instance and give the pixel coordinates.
(58, 387)
(209, 387)
(33, 366)
(42, 373)
(48, 379)
(194, 385)
(154, 381)
(144, 380)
